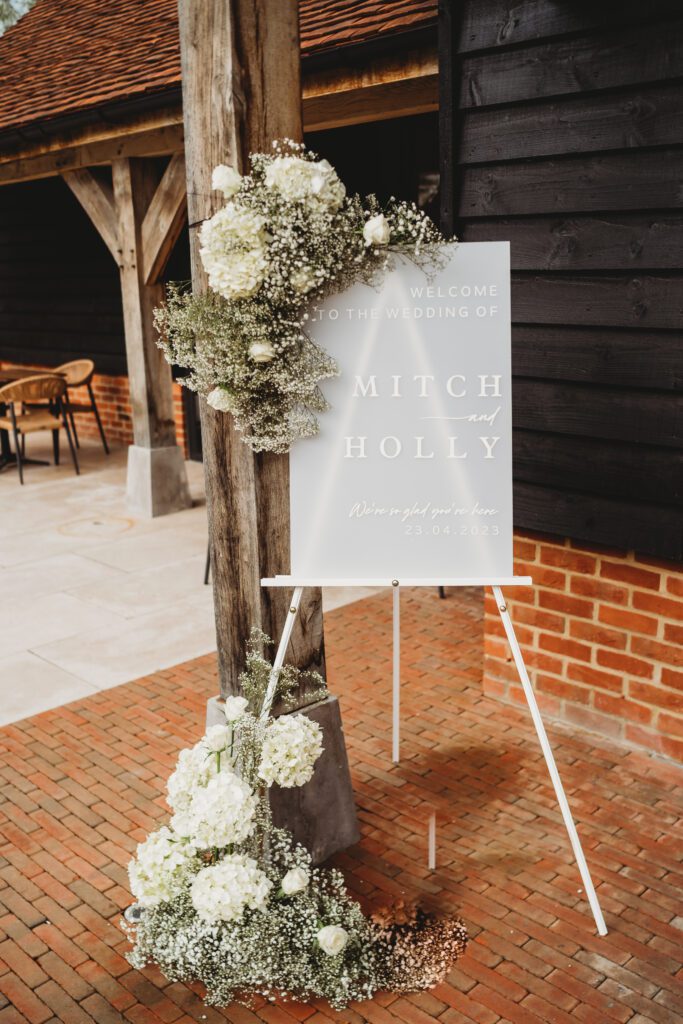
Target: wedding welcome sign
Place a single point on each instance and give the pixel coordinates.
(411, 473)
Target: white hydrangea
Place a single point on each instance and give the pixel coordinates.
(315, 182)
(161, 867)
(233, 249)
(223, 891)
(193, 769)
(198, 764)
(292, 745)
(225, 179)
(219, 813)
(220, 400)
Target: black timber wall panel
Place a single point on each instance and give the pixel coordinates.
(565, 135)
(60, 297)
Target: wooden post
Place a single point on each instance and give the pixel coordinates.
(242, 90)
(139, 218)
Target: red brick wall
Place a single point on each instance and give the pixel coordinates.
(601, 633)
(113, 403)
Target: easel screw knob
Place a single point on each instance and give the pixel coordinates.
(394, 583)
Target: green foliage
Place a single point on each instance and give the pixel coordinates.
(254, 680)
(11, 11)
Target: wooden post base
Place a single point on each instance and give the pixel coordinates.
(157, 481)
(322, 814)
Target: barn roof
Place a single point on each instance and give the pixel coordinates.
(67, 57)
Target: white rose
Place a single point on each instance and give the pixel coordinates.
(217, 737)
(261, 351)
(219, 399)
(226, 180)
(234, 708)
(295, 881)
(332, 939)
(377, 230)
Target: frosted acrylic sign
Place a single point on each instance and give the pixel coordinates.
(411, 473)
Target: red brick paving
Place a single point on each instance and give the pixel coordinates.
(84, 783)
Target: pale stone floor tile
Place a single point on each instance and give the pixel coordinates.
(44, 618)
(139, 593)
(106, 657)
(151, 550)
(28, 685)
(98, 597)
(50, 575)
(143, 604)
(29, 547)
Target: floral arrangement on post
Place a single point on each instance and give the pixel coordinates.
(226, 898)
(287, 236)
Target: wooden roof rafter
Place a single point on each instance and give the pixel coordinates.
(396, 85)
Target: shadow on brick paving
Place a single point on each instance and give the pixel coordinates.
(83, 784)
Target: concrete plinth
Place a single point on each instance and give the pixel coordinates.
(157, 481)
(322, 814)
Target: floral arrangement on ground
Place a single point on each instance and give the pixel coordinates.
(287, 237)
(227, 899)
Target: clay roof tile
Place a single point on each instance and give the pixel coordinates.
(68, 56)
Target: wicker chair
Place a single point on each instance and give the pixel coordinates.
(79, 374)
(32, 404)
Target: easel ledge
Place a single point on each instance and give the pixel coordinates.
(386, 581)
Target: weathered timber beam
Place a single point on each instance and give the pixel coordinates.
(97, 199)
(394, 86)
(47, 164)
(164, 220)
(379, 102)
(135, 184)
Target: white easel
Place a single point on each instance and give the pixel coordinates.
(497, 584)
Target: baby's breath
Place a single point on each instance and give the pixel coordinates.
(288, 236)
(227, 899)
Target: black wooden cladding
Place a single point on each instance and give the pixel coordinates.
(500, 23)
(565, 134)
(630, 180)
(60, 296)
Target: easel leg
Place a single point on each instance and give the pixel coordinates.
(281, 651)
(396, 684)
(550, 761)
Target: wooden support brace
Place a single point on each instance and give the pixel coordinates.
(161, 221)
(139, 217)
(164, 219)
(96, 196)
